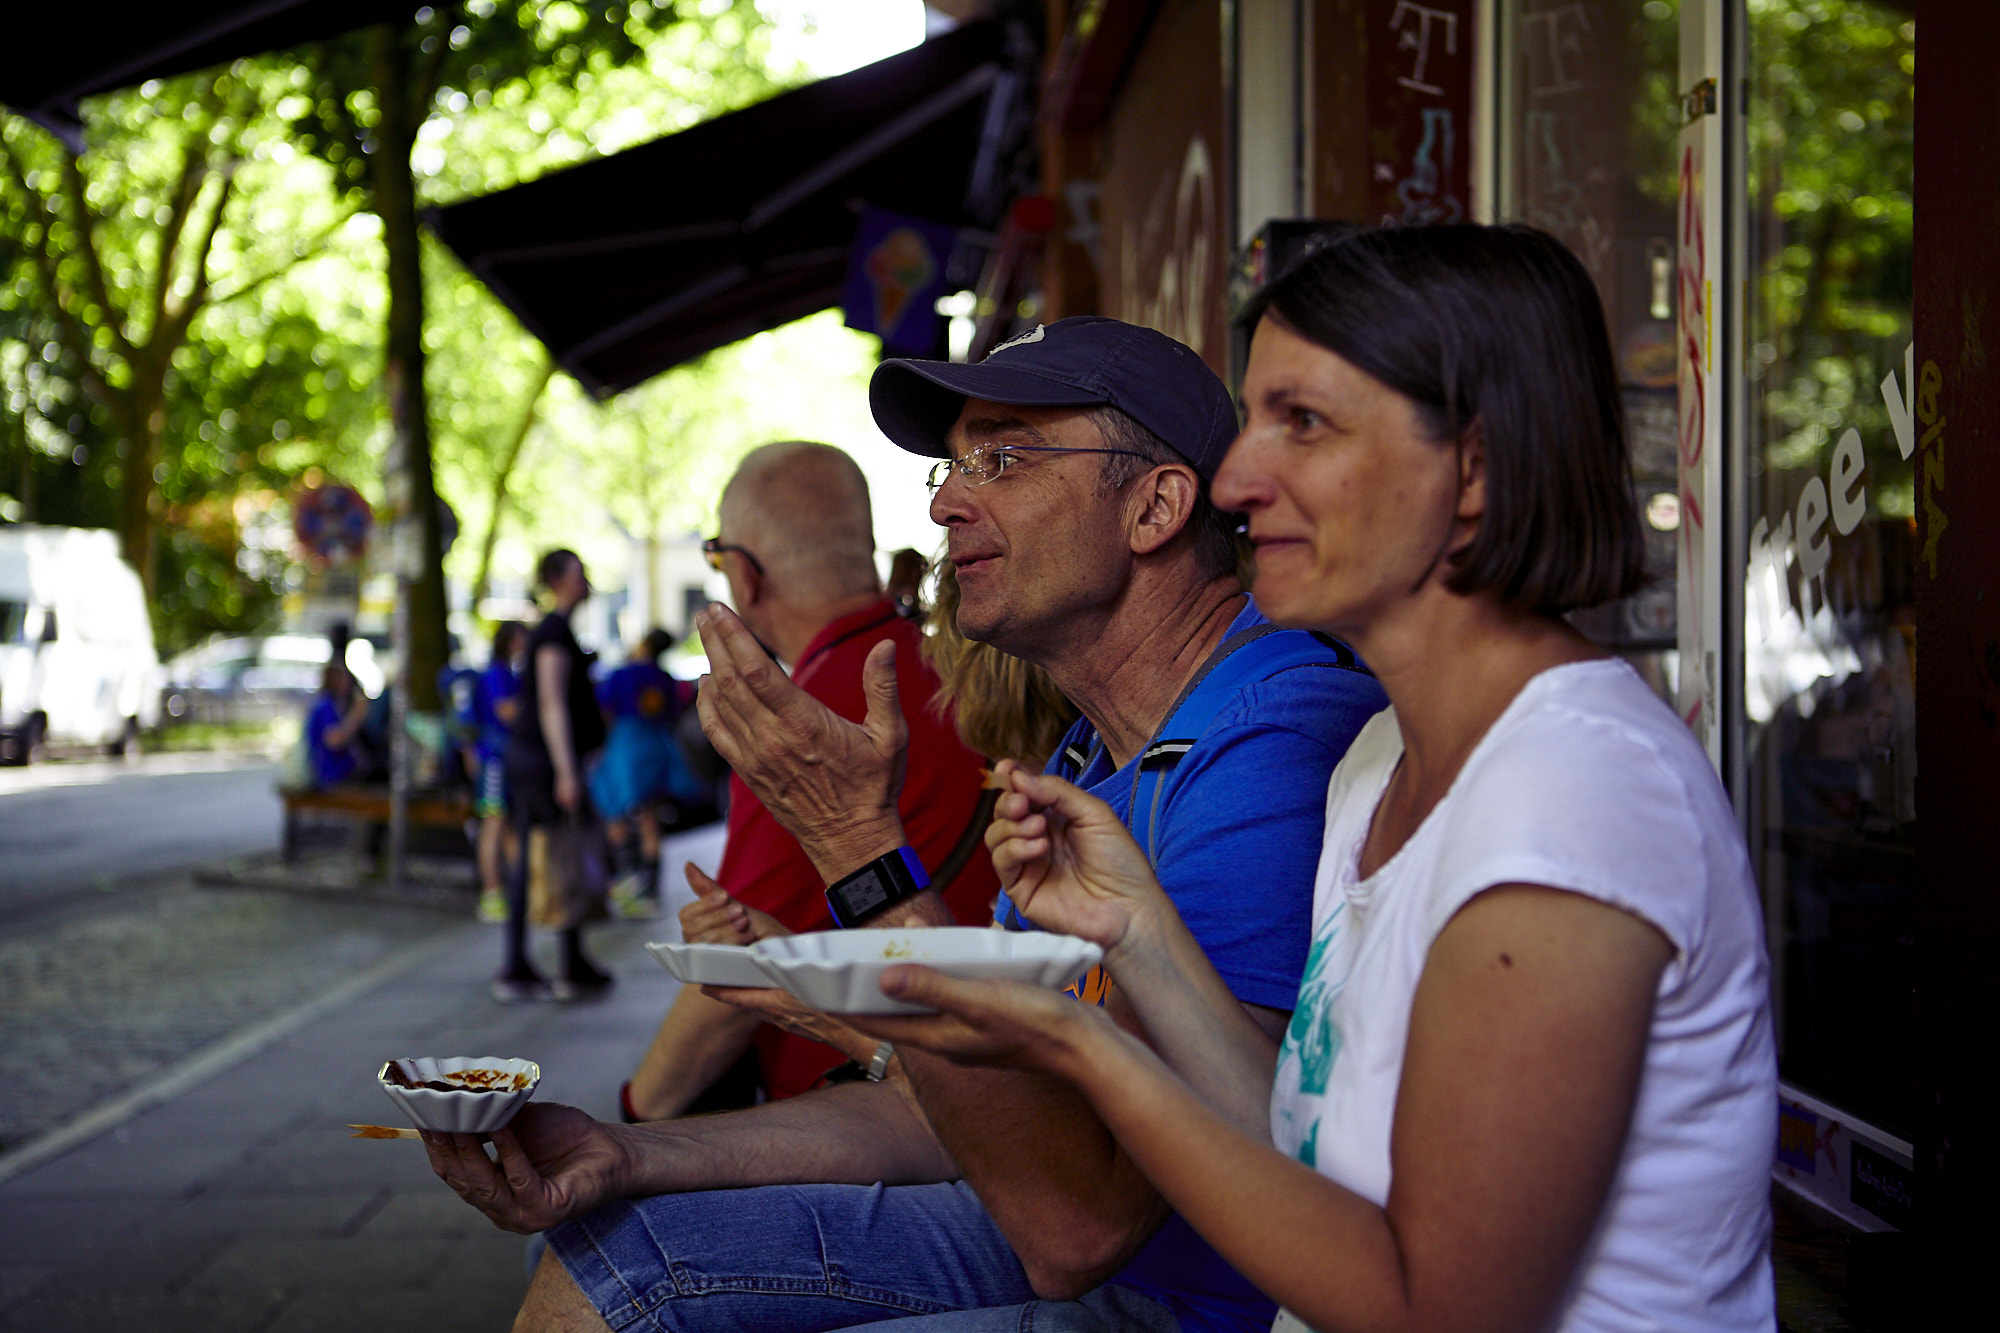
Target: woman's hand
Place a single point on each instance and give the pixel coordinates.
(718, 917)
(1066, 860)
(1008, 1023)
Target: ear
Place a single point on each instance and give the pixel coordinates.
(1472, 472)
(1163, 502)
(746, 585)
(1471, 450)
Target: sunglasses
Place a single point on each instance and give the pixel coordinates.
(714, 548)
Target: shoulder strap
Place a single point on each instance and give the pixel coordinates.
(1226, 672)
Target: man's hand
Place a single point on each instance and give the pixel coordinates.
(1067, 860)
(717, 917)
(831, 783)
(554, 1163)
(569, 792)
(778, 1007)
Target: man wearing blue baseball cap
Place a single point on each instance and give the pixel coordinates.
(1072, 484)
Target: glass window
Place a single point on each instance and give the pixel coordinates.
(1828, 702)
(1588, 124)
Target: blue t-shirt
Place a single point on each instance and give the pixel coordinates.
(330, 766)
(497, 684)
(1237, 845)
(641, 690)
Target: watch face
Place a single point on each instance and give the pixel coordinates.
(864, 893)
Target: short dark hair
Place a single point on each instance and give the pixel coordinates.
(1499, 330)
(506, 634)
(1217, 548)
(551, 566)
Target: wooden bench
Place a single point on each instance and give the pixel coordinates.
(368, 809)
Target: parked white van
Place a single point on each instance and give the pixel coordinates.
(77, 664)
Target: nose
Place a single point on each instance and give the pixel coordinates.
(1243, 482)
(952, 502)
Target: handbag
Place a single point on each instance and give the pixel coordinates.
(567, 874)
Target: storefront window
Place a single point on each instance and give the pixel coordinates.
(1828, 693)
(1587, 129)
(1823, 718)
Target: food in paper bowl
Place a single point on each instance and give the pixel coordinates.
(840, 971)
(710, 964)
(459, 1094)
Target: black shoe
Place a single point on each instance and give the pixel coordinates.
(581, 982)
(511, 989)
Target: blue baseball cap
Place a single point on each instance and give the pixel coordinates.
(1083, 361)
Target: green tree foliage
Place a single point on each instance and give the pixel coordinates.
(266, 366)
(117, 264)
(365, 108)
(1831, 159)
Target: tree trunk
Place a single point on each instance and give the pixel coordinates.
(143, 417)
(416, 540)
(410, 485)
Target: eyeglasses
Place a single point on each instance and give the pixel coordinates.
(982, 464)
(714, 548)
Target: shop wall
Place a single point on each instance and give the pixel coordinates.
(1162, 206)
(1389, 87)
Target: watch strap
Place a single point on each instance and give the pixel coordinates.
(882, 883)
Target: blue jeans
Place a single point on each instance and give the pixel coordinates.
(808, 1258)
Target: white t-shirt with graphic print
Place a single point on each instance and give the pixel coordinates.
(1586, 783)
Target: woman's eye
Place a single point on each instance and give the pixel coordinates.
(1304, 418)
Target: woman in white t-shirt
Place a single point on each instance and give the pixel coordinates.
(1530, 1081)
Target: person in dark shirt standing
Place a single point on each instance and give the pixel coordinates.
(557, 728)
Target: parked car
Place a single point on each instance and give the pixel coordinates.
(76, 648)
(257, 678)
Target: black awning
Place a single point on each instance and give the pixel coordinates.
(56, 55)
(636, 262)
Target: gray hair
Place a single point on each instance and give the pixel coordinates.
(802, 509)
(1217, 548)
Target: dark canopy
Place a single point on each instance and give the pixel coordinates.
(636, 262)
(55, 55)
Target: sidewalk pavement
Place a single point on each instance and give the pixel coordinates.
(227, 1195)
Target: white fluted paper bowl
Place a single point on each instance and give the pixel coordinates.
(710, 964)
(840, 971)
(466, 1110)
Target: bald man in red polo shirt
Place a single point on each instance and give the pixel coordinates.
(798, 548)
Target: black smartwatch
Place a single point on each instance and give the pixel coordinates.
(883, 882)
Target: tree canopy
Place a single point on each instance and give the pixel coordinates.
(192, 313)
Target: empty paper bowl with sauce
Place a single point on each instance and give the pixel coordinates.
(840, 971)
(459, 1094)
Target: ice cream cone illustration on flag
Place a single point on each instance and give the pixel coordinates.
(899, 267)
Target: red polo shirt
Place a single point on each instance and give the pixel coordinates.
(764, 866)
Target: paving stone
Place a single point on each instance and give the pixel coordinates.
(234, 1217)
(285, 1266)
(91, 1311)
(20, 1281)
(461, 1305)
(96, 1004)
(108, 1169)
(242, 1203)
(433, 1211)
